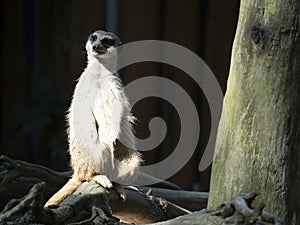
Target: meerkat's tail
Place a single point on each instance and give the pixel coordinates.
(68, 189)
(127, 162)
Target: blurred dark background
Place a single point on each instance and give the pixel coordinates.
(42, 55)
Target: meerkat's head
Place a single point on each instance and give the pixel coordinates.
(102, 45)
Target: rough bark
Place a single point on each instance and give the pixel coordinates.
(258, 143)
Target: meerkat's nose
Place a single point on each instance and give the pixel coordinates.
(95, 47)
(100, 49)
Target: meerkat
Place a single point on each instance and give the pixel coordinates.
(101, 138)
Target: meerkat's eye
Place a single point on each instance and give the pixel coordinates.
(93, 37)
(107, 42)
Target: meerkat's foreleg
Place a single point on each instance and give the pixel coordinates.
(102, 180)
(106, 183)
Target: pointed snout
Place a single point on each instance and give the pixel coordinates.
(100, 49)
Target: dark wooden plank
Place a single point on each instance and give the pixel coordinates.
(13, 79)
(182, 26)
(140, 20)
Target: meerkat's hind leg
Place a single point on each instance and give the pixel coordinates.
(68, 189)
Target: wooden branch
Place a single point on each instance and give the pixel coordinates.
(143, 208)
(91, 203)
(191, 200)
(13, 169)
(33, 201)
(240, 211)
(88, 202)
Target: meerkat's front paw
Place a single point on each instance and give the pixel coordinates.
(106, 183)
(102, 180)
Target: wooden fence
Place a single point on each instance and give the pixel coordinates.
(42, 54)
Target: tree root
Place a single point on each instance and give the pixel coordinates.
(32, 202)
(12, 169)
(240, 211)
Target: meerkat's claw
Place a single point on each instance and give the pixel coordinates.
(51, 205)
(120, 190)
(102, 180)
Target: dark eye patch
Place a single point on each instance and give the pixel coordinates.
(107, 42)
(93, 37)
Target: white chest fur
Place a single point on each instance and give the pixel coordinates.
(99, 106)
(100, 114)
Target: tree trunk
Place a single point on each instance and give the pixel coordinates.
(258, 143)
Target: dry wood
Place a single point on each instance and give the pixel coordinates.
(93, 204)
